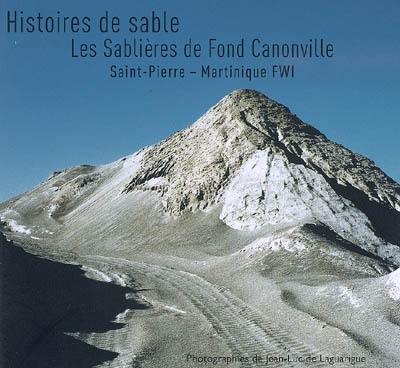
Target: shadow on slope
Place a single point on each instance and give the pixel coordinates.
(41, 300)
(315, 255)
(385, 219)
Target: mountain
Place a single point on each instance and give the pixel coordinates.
(248, 156)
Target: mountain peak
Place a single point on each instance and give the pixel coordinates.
(256, 163)
(251, 108)
(267, 166)
(245, 109)
(197, 163)
(249, 97)
(206, 155)
(247, 94)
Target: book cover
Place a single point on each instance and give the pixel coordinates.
(199, 184)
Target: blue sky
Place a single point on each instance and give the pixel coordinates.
(59, 112)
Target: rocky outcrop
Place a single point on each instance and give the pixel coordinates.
(196, 164)
(266, 167)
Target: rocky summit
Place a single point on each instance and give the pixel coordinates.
(265, 166)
